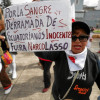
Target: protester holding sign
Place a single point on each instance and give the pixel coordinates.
(75, 70)
(4, 79)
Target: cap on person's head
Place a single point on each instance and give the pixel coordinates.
(80, 25)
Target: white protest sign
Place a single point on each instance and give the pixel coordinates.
(39, 26)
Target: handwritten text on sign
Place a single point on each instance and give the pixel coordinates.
(39, 26)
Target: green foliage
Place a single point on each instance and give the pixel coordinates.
(97, 31)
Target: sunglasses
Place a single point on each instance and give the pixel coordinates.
(83, 38)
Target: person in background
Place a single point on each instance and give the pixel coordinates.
(45, 65)
(4, 79)
(13, 64)
(90, 37)
(78, 63)
(5, 47)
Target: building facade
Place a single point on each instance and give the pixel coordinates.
(88, 14)
(92, 18)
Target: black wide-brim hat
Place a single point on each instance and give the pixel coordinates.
(80, 25)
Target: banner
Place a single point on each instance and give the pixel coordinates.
(39, 26)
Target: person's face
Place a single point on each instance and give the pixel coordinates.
(78, 44)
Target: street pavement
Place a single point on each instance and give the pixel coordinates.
(29, 82)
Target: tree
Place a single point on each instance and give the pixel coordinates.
(5, 3)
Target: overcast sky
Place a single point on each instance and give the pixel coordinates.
(89, 2)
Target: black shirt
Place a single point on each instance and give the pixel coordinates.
(82, 87)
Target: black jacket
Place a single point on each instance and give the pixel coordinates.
(82, 87)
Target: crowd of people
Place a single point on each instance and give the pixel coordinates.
(75, 71)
